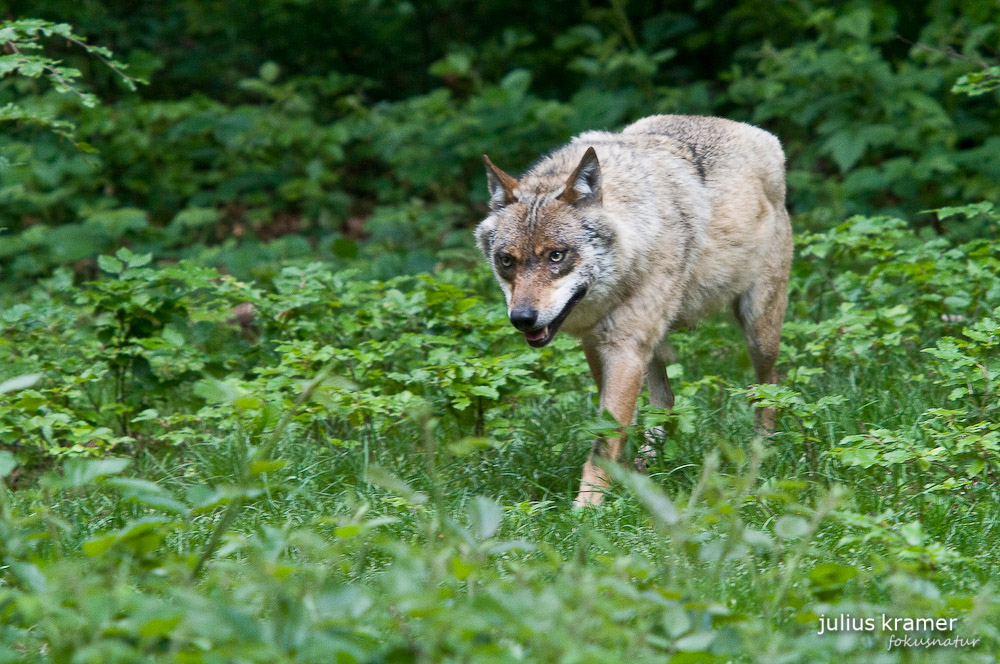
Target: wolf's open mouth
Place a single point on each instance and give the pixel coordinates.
(543, 335)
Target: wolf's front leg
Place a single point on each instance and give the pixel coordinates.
(624, 370)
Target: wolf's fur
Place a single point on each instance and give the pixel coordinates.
(672, 218)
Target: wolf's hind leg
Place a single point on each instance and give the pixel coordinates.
(660, 396)
(760, 312)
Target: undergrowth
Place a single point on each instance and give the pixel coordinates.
(378, 471)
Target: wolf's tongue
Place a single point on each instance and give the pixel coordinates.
(537, 334)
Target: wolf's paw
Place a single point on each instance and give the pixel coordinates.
(763, 421)
(647, 453)
(586, 499)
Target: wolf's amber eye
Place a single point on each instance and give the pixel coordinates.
(557, 256)
(505, 260)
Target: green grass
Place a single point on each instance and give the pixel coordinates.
(376, 532)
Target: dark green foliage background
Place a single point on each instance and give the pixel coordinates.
(268, 132)
(267, 407)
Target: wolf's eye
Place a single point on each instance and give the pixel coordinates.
(505, 260)
(557, 256)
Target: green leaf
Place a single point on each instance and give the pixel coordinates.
(195, 217)
(487, 391)
(215, 391)
(110, 264)
(697, 642)
(115, 223)
(159, 501)
(147, 493)
(791, 527)
(346, 532)
(125, 254)
(261, 467)
(913, 533)
(7, 463)
(31, 575)
(344, 248)
(830, 575)
(676, 620)
(973, 468)
(469, 444)
(19, 383)
(139, 260)
(160, 627)
(141, 536)
(461, 568)
(81, 472)
(247, 402)
(383, 479)
(269, 71)
(658, 505)
(205, 499)
(958, 300)
(846, 148)
(485, 517)
(758, 539)
(857, 456)
(979, 82)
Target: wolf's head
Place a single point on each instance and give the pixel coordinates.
(547, 242)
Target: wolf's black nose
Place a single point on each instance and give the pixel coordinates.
(523, 318)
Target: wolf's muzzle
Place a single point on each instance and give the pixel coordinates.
(539, 337)
(523, 318)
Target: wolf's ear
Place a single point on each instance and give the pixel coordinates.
(584, 186)
(501, 186)
(484, 236)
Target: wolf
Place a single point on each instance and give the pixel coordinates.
(618, 238)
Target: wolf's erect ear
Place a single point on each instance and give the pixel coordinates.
(584, 186)
(501, 185)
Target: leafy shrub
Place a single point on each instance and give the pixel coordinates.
(22, 41)
(299, 160)
(116, 348)
(864, 131)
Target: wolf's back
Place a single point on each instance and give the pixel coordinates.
(720, 149)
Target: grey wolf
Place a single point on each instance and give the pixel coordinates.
(617, 238)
